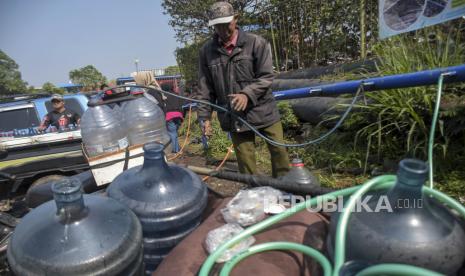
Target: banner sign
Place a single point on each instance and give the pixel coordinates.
(400, 16)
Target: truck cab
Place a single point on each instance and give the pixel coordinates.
(32, 157)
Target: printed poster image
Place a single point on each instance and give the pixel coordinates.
(400, 16)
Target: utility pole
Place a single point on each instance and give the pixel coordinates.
(363, 32)
(136, 61)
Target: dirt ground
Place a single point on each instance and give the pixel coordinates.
(222, 187)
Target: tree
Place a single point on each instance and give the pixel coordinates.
(50, 87)
(10, 77)
(172, 70)
(89, 77)
(304, 33)
(188, 58)
(189, 18)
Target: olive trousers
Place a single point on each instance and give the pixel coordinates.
(244, 146)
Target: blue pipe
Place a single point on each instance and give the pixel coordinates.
(421, 78)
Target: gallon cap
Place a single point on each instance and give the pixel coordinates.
(297, 162)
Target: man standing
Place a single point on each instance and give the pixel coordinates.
(235, 71)
(60, 117)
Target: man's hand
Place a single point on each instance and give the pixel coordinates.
(207, 128)
(239, 101)
(41, 129)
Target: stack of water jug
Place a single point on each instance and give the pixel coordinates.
(106, 129)
(149, 208)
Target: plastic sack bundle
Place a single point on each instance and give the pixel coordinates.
(218, 236)
(248, 206)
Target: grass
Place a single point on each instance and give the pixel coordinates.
(398, 121)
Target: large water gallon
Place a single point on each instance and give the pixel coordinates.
(145, 121)
(102, 131)
(168, 199)
(404, 226)
(77, 235)
(299, 174)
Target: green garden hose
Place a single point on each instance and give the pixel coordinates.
(339, 255)
(433, 129)
(433, 125)
(324, 262)
(382, 182)
(396, 269)
(208, 264)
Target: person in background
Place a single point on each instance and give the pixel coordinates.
(204, 138)
(146, 78)
(236, 72)
(104, 87)
(59, 117)
(205, 134)
(174, 116)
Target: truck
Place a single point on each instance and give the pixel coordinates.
(32, 157)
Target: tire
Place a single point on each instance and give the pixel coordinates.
(46, 179)
(40, 191)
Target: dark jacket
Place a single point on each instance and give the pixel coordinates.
(248, 69)
(173, 104)
(158, 97)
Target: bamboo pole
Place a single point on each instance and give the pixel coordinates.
(274, 42)
(363, 29)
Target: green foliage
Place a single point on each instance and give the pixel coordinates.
(194, 128)
(172, 70)
(288, 118)
(10, 77)
(50, 87)
(188, 59)
(189, 18)
(335, 153)
(396, 123)
(305, 32)
(218, 142)
(453, 184)
(89, 77)
(315, 32)
(31, 89)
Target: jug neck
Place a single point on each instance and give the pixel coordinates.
(411, 177)
(154, 161)
(69, 200)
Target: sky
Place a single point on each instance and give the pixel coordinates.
(49, 38)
